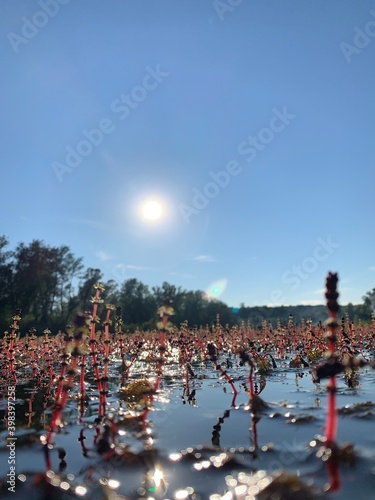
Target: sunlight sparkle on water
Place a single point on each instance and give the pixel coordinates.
(158, 476)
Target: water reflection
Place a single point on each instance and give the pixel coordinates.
(215, 440)
(202, 418)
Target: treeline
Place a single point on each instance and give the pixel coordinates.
(51, 285)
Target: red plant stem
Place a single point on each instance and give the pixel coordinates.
(60, 405)
(62, 373)
(46, 396)
(82, 388)
(161, 358)
(48, 458)
(159, 369)
(47, 355)
(81, 408)
(225, 374)
(122, 355)
(251, 383)
(32, 355)
(334, 475)
(131, 362)
(61, 383)
(12, 348)
(125, 373)
(30, 410)
(93, 344)
(46, 350)
(187, 386)
(103, 399)
(213, 353)
(201, 345)
(331, 423)
(82, 377)
(11, 361)
(81, 439)
(185, 360)
(97, 434)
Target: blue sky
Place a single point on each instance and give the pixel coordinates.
(251, 122)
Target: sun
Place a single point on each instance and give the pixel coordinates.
(152, 210)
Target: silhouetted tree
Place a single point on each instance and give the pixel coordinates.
(138, 304)
(6, 279)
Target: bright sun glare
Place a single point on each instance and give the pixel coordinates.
(152, 210)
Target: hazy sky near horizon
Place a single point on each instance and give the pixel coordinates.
(251, 123)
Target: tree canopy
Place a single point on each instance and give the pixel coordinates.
(50, 284)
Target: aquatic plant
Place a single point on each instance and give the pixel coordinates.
(104, 379)
(75, 349)
(11, 349)
(137, 393)
(148, 366)
(212, 353)
(164, 326)
(96, 300)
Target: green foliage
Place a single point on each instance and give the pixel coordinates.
(50, 285)
(136, 392)
(38, 280)
(368, 305)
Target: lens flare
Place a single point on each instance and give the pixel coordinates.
(216, 289)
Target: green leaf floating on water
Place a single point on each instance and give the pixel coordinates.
(135, 392)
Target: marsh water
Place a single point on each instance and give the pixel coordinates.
(199, 441)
